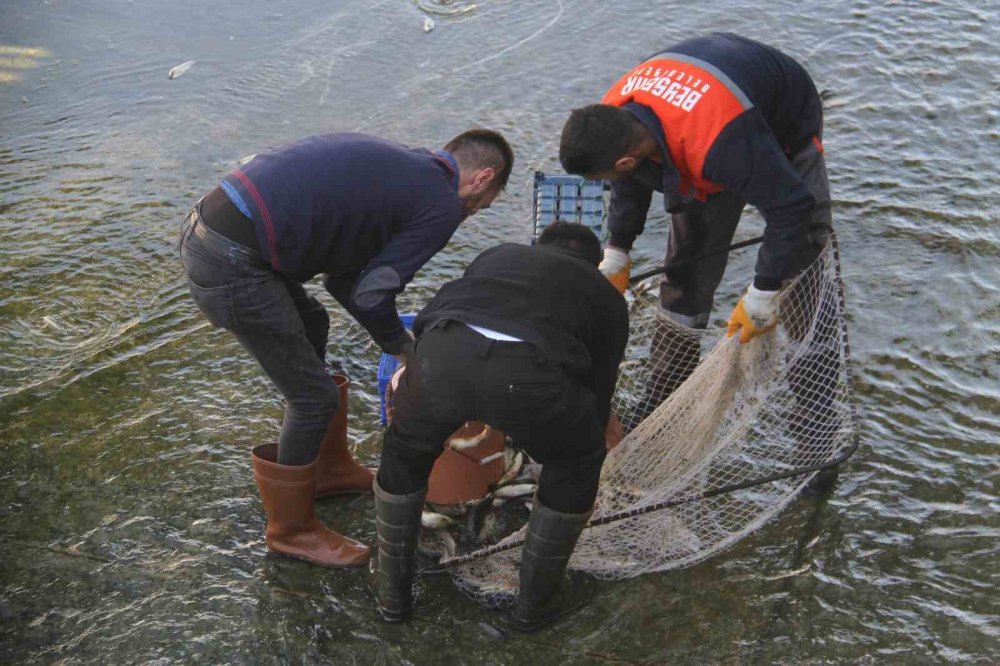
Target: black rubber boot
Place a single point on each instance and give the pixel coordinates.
(397, 522)
(551, 538)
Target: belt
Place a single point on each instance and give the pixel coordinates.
(223, 217)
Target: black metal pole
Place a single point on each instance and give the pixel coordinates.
(691, 260)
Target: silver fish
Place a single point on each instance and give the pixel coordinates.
(246, 158)
(519, 490)
(462, 443)
(435, 521)
(512, 469)
(490, 458)
(437, 544)
(180, 69)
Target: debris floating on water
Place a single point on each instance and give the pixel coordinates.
(180, 69)
(512, 470)
(519, 490)
(428, 24)
(490, 458)
(462, 443)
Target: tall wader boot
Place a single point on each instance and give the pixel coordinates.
(337, 472)
(552, 535)
(289, 494)
(397, 521)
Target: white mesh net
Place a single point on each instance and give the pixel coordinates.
(715, 420)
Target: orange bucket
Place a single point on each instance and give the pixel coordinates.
(458, 476)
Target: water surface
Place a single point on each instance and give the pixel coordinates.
(131, 530)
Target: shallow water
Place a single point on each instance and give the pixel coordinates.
(131, 530)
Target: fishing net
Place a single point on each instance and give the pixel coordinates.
(721, 436)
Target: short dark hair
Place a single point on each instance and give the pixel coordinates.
(481, 149)
(595, 137)
(573, 236)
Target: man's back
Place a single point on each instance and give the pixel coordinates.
(547, 297)
(329, 203)
(775, 83)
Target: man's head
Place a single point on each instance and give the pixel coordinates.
(577, 238)
(603, 142)
(484, 161)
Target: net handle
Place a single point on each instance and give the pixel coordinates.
(684, 262)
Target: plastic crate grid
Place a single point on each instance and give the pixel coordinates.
(569, 198)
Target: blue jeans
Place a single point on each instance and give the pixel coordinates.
(282, 326)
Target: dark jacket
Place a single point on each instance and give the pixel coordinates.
(547, 297)
(740, 109)
(366, 212)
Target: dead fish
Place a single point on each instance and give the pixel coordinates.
(180, 69)
(493, 529)
(512, 469)
(246, 158)
(530, 473)
(519, 490)
(438, 544)
(428, 24)
(435, 521)
(449, 548)
(462, 443)
(490, 458)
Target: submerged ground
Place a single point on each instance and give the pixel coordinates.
(130, 529)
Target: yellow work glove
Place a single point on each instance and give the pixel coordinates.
(755, 314)
(615, 266)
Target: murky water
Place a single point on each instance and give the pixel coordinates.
(131, 530)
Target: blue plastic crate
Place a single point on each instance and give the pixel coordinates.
(569, 198)
(387, 364)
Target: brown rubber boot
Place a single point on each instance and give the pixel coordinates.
(288, 494)
(337, 472)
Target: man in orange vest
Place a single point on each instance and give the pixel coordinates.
(713, 123)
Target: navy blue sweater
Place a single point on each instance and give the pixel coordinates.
(366, 212)
(749, 157)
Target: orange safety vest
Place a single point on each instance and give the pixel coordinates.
(694, 101)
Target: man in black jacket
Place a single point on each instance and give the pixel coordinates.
(529, 341)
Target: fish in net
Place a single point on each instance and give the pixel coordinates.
(721, 436)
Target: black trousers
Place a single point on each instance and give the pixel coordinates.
(454, 375)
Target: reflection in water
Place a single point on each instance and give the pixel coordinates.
(131, 530)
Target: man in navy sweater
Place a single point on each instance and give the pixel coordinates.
(365, 212)
(713, 123)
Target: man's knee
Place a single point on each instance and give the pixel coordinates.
(404, 468)
(321, 400)
(571, 486)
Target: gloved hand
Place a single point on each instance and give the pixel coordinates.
(756, 313)
(615, 266)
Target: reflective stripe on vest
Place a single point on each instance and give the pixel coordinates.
(694, 101)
